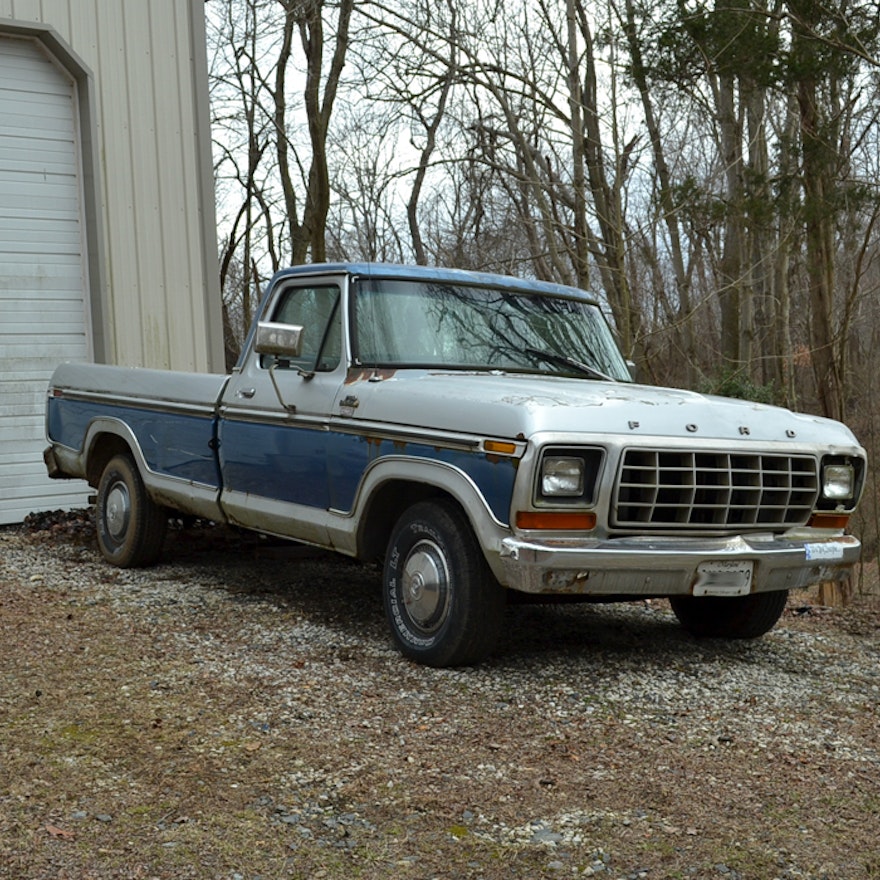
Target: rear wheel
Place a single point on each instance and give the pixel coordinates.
(734, 617)
(130, 525)
(443, 604)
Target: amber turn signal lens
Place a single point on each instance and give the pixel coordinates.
(829, 520)
(500, 447)
(527, 519)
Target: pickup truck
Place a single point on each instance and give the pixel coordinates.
(481, 435)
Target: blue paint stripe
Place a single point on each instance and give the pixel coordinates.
(275, 461)
(173, 444)
(298, 465)
(324, 469)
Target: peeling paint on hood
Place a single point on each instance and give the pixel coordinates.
(512, 404)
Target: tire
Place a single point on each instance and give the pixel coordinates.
(736, 617)
(130, 525)
(443, 604)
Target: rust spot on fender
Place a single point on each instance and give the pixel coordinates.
(502, 459)
(362, 374)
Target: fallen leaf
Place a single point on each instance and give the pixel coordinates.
(60, 833)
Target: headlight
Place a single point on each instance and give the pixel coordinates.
(568, 476)
(838, 482)
(562, 477)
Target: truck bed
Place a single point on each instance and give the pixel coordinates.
(168, 418)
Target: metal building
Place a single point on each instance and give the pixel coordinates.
(108, 245)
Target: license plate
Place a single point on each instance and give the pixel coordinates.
(829, 551)
(724, 578)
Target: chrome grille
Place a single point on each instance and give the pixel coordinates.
(681, 489)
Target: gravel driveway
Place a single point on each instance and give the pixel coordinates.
(238, 712)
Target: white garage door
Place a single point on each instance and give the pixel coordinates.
(43, 315)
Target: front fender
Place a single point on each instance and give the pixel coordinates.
(438, 476)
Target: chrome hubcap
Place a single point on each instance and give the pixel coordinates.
(426, 586)
(117, 511)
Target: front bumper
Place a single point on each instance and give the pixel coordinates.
(642, 566)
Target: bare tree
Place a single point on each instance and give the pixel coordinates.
(307, 224)
(689, 163)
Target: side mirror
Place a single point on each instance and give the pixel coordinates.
(281, 340)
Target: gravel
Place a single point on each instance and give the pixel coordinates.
(598, 740)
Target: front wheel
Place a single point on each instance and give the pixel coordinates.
(130, 525)
(443, 604)
(734, 617)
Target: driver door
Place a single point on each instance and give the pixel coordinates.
(275, 416)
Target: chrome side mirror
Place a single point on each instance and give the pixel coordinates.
(281, 340)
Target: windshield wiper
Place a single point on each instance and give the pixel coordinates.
(565, 361)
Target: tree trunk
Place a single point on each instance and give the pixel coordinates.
(733, 293)
(667, 200)
(817, 168)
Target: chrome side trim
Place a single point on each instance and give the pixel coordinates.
(370, 430)
(381, 431)
(158, 405)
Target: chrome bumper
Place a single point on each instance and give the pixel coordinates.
(671, 566)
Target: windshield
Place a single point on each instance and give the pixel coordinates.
(416, 323)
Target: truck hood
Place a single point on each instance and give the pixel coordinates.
(510, 405)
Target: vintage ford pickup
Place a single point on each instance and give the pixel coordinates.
(482, 435)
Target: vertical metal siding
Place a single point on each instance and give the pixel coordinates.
(157, 291)
(161, 302)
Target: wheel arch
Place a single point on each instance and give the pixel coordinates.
(104, 439)
(384, 507)
(390, 487)
(107, 437)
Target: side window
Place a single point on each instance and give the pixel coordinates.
(317, 311)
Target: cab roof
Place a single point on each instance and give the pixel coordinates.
(401, 272)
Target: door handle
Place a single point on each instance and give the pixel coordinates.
(247, 393)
